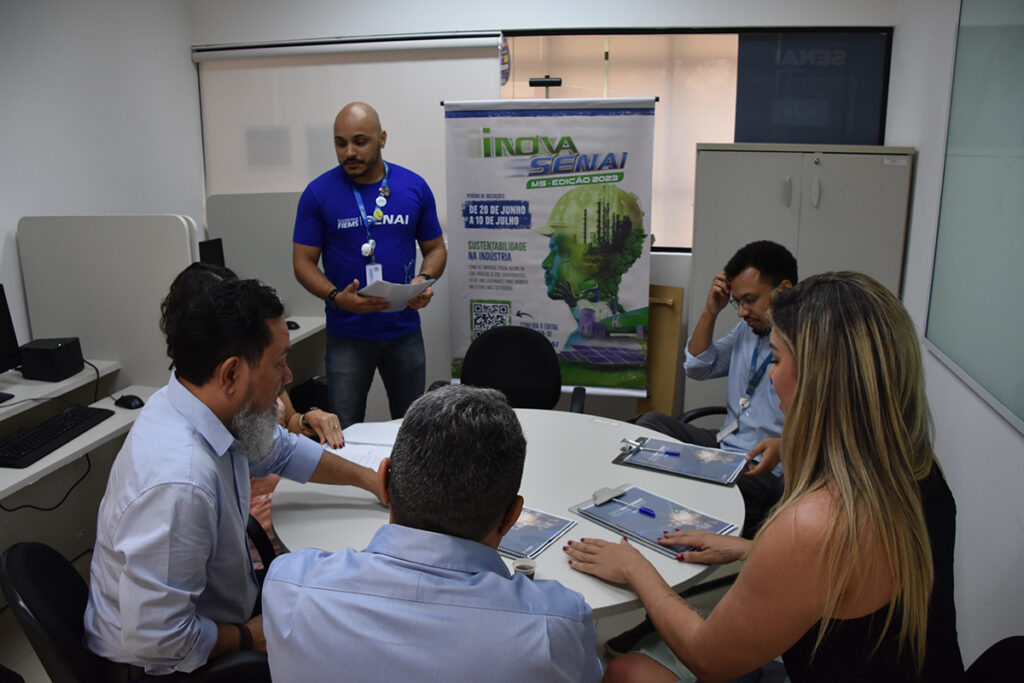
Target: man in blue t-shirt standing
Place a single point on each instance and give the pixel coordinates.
(365, 217)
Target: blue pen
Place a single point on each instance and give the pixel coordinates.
(658, 450)
(641, 510)
(639, 446)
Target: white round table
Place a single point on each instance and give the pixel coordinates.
(568, 457)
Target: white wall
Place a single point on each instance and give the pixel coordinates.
(100, 114)
(983, 457)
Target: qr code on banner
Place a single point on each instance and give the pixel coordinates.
(488, 314)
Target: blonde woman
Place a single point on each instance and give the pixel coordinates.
(851, 577)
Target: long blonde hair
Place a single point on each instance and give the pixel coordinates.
(859, 425)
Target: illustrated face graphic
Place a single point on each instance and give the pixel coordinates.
(596, 233)
(566, 272)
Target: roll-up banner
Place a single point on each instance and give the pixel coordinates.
(549, 228)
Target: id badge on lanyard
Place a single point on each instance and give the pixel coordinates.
(727, 430)
(374, 270)
(756, 373)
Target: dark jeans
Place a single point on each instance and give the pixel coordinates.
(350, 364)
(759, 493)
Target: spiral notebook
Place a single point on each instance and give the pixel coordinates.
(684, 459)
(533, 533)
(367, 443)
(622, 515)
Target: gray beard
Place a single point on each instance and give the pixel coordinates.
(255, 429)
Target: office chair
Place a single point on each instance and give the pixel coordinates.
(522, 364)
(1003, 661)
(8, 676)
(262, 543)
(697, 413)
(48, 598)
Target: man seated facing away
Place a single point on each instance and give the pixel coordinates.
(430, 599)
(171, 583)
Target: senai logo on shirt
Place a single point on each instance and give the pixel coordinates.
(389, 219)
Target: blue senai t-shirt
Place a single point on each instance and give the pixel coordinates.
(328, 217)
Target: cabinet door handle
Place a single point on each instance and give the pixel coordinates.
(787, 191)
(815, 192)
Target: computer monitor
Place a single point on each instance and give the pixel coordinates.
(10, 356)
(212, 251)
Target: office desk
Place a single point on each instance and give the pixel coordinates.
(308, 325)
(13, 480)
(30, 393)
(306, 358)
(568, 457)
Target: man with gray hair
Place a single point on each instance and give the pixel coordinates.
(430, 599)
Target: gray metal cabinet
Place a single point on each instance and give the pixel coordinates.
(835, 207)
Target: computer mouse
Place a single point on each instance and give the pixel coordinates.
(292, 325)
(130, 401)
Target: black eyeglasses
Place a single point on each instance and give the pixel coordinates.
(749, 300)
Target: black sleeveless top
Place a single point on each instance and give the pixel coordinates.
(845, 649)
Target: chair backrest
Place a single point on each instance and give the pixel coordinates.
(261, 541)
(8, 676)
(1003, 661)
(48, 598)
(519, 362)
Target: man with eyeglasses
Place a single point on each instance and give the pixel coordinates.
(754, 421)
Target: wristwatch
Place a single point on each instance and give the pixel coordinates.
(302, 419)
(330, 297)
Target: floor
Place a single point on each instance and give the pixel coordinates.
(610, 627)
(16, 653)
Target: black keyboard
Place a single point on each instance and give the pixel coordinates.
(49, 435)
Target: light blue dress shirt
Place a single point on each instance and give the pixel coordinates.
(731, 356)
(421, 606)
(171, 558)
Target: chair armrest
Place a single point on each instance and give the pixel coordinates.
(579, 397)
(696, 413)
(264, 547)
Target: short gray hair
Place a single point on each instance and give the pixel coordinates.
(457, 462)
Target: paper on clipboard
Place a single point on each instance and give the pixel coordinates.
(397, 295)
